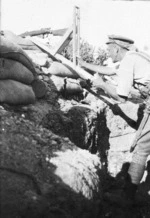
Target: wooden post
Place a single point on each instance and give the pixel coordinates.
(76, 35)
(0, 14)
(64, 42)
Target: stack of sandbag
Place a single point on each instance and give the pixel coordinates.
(65, 78)
(17, 74)
(24, 43)
(10, 50)
(35, 54)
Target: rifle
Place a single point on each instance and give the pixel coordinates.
(36, 32)
(88, 77)
(59, 32)
(81, 72)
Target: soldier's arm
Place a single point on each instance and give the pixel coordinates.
(100, 69)
(110, 90)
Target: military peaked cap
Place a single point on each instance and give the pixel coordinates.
(120, 40)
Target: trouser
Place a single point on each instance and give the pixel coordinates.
(141, 152)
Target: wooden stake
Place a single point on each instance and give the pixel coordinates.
(43, 47)
(76, 35)
(65, 41)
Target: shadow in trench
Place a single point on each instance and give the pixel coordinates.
(141, 206)
(111, 184)
(103, 139)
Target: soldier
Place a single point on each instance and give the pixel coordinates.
(134, 70)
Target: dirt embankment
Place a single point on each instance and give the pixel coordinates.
(59, 156)
(43, 172)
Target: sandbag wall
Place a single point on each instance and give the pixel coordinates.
(19, 58)
(17, 72)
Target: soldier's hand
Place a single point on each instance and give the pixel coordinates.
(85, 83)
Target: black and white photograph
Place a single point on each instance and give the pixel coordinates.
(74, 109)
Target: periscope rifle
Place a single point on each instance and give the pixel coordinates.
(81, 72)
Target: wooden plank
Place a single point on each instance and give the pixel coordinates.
(82, 73)
(74, 35)
(43, 47)
(59, 32)
(65, 41)
(78, 36)
(36, 32)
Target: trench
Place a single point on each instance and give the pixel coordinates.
(73, 182)
(97, 133)
(60, 155)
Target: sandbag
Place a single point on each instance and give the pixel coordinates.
(39, 87)
(10, 69)
(62, 70)
(24, 43)
(16, 93)
(67, 85)
(38, 58)
(13, 51)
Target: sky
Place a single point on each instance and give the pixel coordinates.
(97, 18)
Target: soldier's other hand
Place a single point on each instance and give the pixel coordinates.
(85, 83)
(82, 82)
